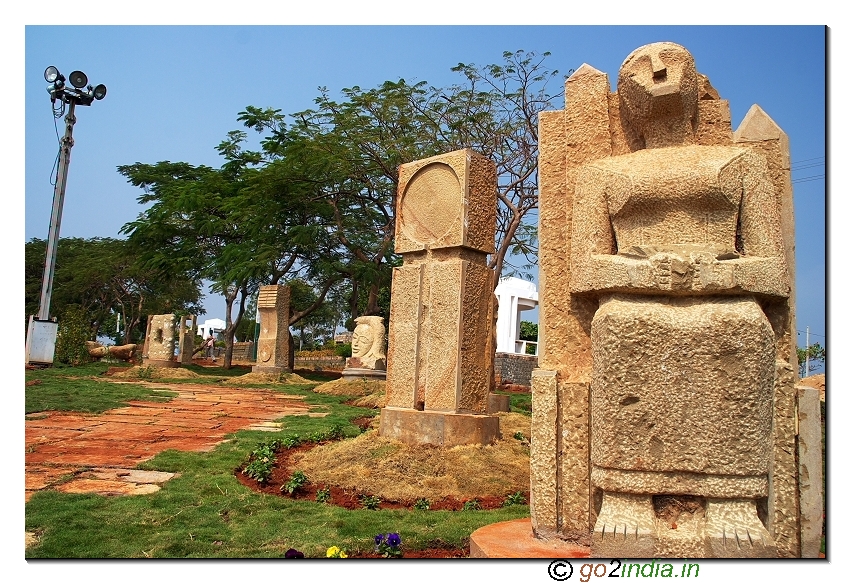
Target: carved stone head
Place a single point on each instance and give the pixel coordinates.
(658, 87)
(368, 337)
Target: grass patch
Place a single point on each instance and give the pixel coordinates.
(76, 389)
(520, 402)
(207, 513)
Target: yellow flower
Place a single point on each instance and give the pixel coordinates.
(335, 552)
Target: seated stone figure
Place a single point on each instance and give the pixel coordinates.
(681, 244)
(368, 344)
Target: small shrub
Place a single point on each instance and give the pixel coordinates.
(290, 441)
(472, 505)
(370, 502)
(343, 350)
(71, 336)
(335, 432)
(261, 461)
(324, 495)
(519, 436)
(515, 499)
(295, 481)
(422, 504)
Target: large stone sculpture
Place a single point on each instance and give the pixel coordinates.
(273, 342)
(440, 357)
(159, 341)
(368, 353)
(667, 361)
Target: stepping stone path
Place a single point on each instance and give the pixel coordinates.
(85, 453)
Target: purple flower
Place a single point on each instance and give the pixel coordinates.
(293, 554)
(393, 539)
(379, 539)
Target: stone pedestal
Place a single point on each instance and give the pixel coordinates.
(437, 427)
(364, 373)
(514, 539)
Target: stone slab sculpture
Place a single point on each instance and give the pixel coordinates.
(273, 342)
(368, 349)
(441, 345)
(160, 341)
(187, 333)
(667, 363)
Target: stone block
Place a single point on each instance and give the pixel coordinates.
(438, 428)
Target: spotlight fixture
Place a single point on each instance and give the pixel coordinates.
(51, 73)
(78, 94)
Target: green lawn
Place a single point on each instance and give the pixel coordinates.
(206, 512)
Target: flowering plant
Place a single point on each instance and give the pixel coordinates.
(336, 553)
(293, 554)
(388, 545)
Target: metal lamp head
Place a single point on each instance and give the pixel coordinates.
(78, 79)
(51, 73)
(100, 92)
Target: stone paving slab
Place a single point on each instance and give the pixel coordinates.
(98, 452)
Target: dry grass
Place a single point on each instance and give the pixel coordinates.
(371, 393)
(264, 378)
(352, 387)
(156, 372)
(395, 471)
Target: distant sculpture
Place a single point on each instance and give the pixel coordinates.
(667, 354)
(273, 347)
(123, 352)
(368, 344)
(160, 341)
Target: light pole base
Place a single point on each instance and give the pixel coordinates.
(41, 341)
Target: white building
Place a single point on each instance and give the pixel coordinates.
(214, 325)
(515, 296)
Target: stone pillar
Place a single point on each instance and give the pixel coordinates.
(273, 343)
(441, 345)
(188, 330)
(159, 341)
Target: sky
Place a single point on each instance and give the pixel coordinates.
(175, 91)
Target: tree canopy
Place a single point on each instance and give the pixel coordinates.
(316, 201)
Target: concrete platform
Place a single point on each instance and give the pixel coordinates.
(514, 539)
(438, 427)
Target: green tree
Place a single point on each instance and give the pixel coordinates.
(102, 277)
(528, 331)
(816, 354)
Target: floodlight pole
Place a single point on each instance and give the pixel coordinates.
(56, 214)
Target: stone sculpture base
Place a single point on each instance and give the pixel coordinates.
(514, 539)
(364, 373)
(438, 428)
(627, 526)
(498, 403)
(160, 363)
(271, 369)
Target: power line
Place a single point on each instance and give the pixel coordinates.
(808, 178)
